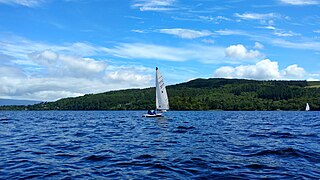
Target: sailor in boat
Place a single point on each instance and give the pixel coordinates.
(150, 112)
(153, 112)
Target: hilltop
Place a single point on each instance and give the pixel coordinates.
(199, 94)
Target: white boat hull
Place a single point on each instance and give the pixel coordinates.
(152, 115)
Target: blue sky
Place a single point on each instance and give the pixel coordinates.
(53, 49)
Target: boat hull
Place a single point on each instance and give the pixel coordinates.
(152, 115)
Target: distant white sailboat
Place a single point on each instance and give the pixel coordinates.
(307, 107)
(162, 101)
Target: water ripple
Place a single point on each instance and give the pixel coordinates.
(192, 145)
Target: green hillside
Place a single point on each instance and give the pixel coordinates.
(200, 94)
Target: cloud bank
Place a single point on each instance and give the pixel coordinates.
(262, 70)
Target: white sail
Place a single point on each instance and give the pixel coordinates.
(307, 107)
(162, 102)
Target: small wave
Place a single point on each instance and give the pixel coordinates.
(38, 152)
(186, 128)
(281, 152)
(309, 135)
(258, 135)
(125, 164)
(290, 152)
(258, 166)
(160, 166)
(96, 158)
(144, 156)
(80, 134)
(51, 174)
(183, 129)
(282, 135)
(65, 155)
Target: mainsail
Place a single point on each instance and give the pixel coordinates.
(162, 102)
(307, 107)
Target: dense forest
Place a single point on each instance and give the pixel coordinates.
(199, 94)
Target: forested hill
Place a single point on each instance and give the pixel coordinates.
(200, 94)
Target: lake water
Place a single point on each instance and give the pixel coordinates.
(182, 145)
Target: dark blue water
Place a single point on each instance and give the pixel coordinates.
(183, 145)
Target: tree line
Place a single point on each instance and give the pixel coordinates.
(199, 94)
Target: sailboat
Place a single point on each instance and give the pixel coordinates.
(162, 101)
(307, 107)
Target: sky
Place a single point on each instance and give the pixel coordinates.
(52, 49)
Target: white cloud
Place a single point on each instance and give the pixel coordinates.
(241, 52)
(8, 72)
(67, 65)
(258, 45)
(283, 33)
(27, 3)
(300, 2)
(208, 41)
(227, 32)
(186, 33)
(138, 31)
(20, 47)
(263, 70)
(128, 76)
(317, 31)
(269, 27)
(45, 72)
(16, 85)
(216, 20)
(293, 72)
(205, 54)
(224, 72)
(154, 5)
(307, 45)
(257, 16)
(134, 74)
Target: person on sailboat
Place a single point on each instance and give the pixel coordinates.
(149, 111)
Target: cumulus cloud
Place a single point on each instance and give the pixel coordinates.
(300, 2)
(240, 52)
(67, 65)
(186, 33)
(262, 70)
(154, 5)
(293, 72)
(134, 74)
